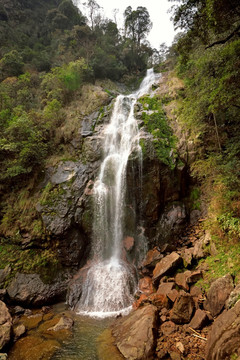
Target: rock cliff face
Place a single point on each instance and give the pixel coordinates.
(154, 211)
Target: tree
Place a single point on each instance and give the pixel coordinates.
(137, 24)
(93, 9)
(208, 18)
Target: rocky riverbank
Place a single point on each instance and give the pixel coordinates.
(174, 316)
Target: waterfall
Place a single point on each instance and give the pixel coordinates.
(111, 282)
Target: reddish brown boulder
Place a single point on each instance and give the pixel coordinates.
(140, 302)
(172, 295)
(166, 266)
(165, 288)
(159, 300)
(223, 342)
(153, 256)
(183, 308)
(194, 276)
(218, 294)
(135, 334)
(199, 320)
(128, 243)
(145, 285)
(181, 280)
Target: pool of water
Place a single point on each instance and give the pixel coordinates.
(91, 340)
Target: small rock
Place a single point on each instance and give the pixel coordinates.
(18, 331)
(199, 320)
(181, 280)
(198, 252)
(194, 277)
(165, 288)
(180, 347)
(152, 257)
(64, 323)
(28, 312)
(143, 299)
(187, 256)
(163, 318)
(168, 328)
(46, 309)
(18, 310)
(145, 285)
(173, 294)
(159, 300)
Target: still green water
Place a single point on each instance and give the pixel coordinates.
(83, 344)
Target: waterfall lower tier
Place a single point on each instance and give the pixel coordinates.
(110, 283)
(108, 289)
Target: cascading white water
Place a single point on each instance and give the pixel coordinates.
(110, 282)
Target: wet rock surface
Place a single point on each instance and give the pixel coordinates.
(29, 289)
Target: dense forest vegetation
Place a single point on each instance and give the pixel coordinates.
(49, 50)
(206, 55)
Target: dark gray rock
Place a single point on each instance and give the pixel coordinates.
(218, 294)
(29, 289)
(66, 207)
(64, 172)
(171, 221)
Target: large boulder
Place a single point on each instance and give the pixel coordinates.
(218, 294)
(223, 342)
(29, 289)
(5, 325)
(135, 335)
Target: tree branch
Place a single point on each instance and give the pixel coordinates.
(223, 41)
